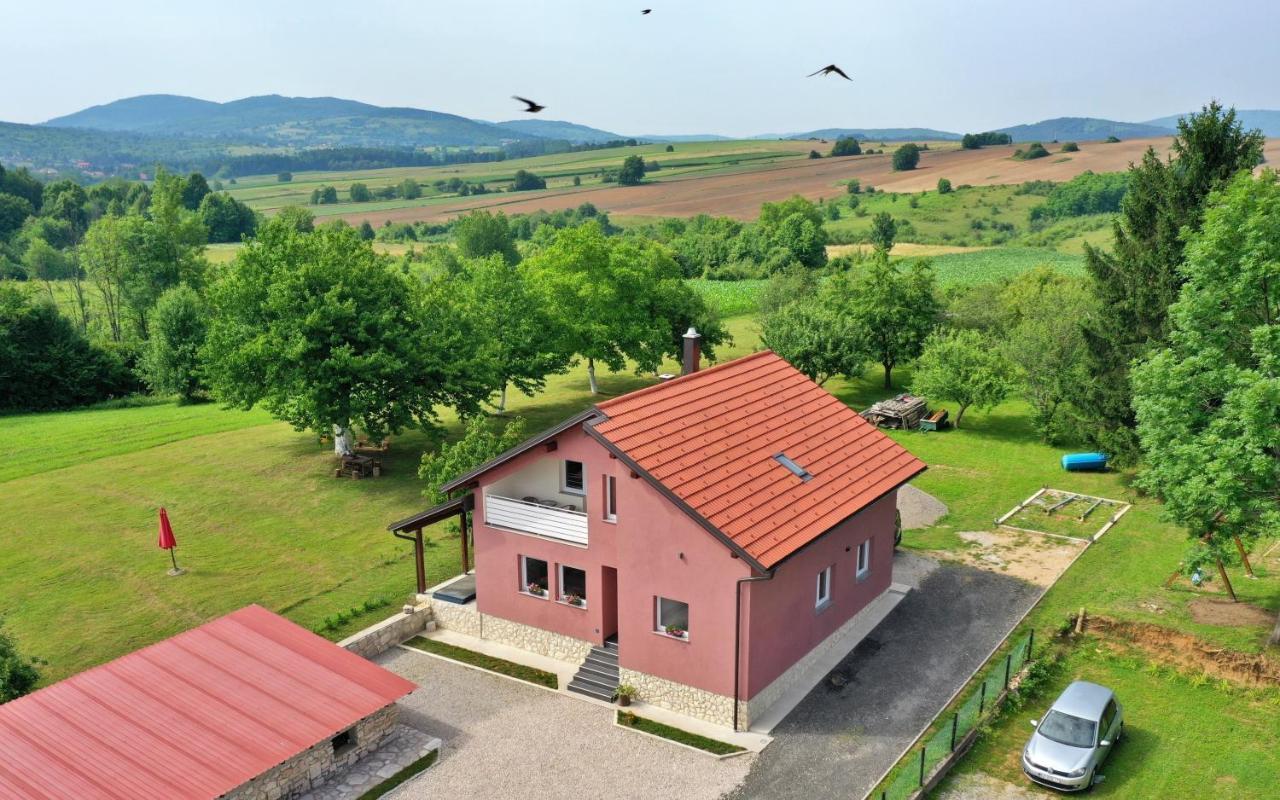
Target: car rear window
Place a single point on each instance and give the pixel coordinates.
(1066, 729)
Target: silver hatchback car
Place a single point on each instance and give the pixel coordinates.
(1074, 738)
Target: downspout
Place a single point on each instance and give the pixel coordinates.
(737, 638)
(417, 556)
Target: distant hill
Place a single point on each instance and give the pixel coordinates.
(1265, 120)
(108, 152)
(1083, 129)
(868, 134)
(684, 137)
(558, 129)
(277, 121)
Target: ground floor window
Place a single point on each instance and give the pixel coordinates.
(824, 589)
(673, 617)
(573, 585)
(533, 576)
(864, 559)
(343, 742)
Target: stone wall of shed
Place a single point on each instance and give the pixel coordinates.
(316, 764)
(390, 632)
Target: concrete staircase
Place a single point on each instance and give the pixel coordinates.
(598, 675)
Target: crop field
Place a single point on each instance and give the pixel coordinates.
(739, 191)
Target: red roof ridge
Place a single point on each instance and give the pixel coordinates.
(684, 379)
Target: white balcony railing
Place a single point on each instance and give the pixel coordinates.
(531, 517)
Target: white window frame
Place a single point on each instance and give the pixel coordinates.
(524, 577)
(822, 587)
(565, 488)
(560, 568)
(863, 563)
(657, 618)
(610, 498)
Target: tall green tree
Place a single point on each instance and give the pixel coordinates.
(226, 218)
(906, 157)
(171, 362)
(194, 189)
(326, 334)
(521, 337)
(1138, 280)
(618, 299)
(964, 367)
(1208, 403)
(481, 234)
(14, 211)
(892, 311)
(632, 171)
(883, 231)
(815, 339)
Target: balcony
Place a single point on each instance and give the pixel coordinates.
(541, 517)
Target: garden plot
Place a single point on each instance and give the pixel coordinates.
(1059, 513)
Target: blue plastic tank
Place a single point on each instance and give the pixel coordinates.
(1080, 462)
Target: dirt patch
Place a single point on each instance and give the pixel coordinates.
(919, 509)
(985, 787)
(1186, 652)
(1037, 559)
(1211, 611)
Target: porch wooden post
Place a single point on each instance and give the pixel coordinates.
(466, 556)
(418, 561)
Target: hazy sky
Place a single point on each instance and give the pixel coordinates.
(695, 66)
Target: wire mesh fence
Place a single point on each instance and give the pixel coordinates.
(917, 766)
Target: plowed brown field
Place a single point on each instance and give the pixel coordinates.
(740, 194)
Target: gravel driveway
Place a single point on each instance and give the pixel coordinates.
(837, 742)
(509, 741)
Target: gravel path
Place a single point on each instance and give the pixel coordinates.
(919, 509)
(507, 741)
(839, 740)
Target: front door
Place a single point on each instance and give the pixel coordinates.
(608, 602)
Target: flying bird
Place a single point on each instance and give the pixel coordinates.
(533, 108)
(645, 10)
(827, 70)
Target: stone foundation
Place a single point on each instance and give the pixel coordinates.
(314, 766)
(465, 619)
(680, 698)
(390, 632)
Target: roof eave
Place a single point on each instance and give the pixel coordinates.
(527, 444)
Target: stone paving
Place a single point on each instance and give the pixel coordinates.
(401, 750)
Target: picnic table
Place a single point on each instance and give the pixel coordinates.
(357, 467)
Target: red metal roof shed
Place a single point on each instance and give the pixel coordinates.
(193, 716)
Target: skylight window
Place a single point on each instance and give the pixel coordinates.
(795, 469)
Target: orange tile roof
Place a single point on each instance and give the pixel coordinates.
(710, 439)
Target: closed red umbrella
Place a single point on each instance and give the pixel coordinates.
(168, 542)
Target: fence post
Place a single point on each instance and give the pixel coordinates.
(982, 698)
(1008, 662)
(922, 749)
(1031, 642)
(955, 722)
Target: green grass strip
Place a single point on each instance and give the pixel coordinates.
(400, 777)
(500, 665)
(630, 720)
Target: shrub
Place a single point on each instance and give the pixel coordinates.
(906, 157)
(671, 148)
(1112, 140)
(410, 189)
(853, 186)
(359, 193)
(814, 154)
(324, 195)
(944, 186)
(171, 361)
(1070, 147)
(1086, 193)
(846, 146)
(524, 181)
(283, 177)
(973, 141)
(577, 181)
(632, 171)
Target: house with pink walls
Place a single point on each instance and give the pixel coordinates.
(703, 540)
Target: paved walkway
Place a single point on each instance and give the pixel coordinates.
(503, 739)
(841, 738)
(406, 747)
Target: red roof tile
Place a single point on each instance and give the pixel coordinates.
(710, 438)
(193, 716)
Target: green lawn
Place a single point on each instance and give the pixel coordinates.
(492, 663)
(1185, 736)
(258, 516)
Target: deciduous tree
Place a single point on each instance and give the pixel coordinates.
(171, 362)
(963, 367)
(892, 311)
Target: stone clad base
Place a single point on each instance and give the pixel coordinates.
(466, 619)
(680, 698)
(405, 746)
(318, 763)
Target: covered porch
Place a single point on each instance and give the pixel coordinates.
(459, 590)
